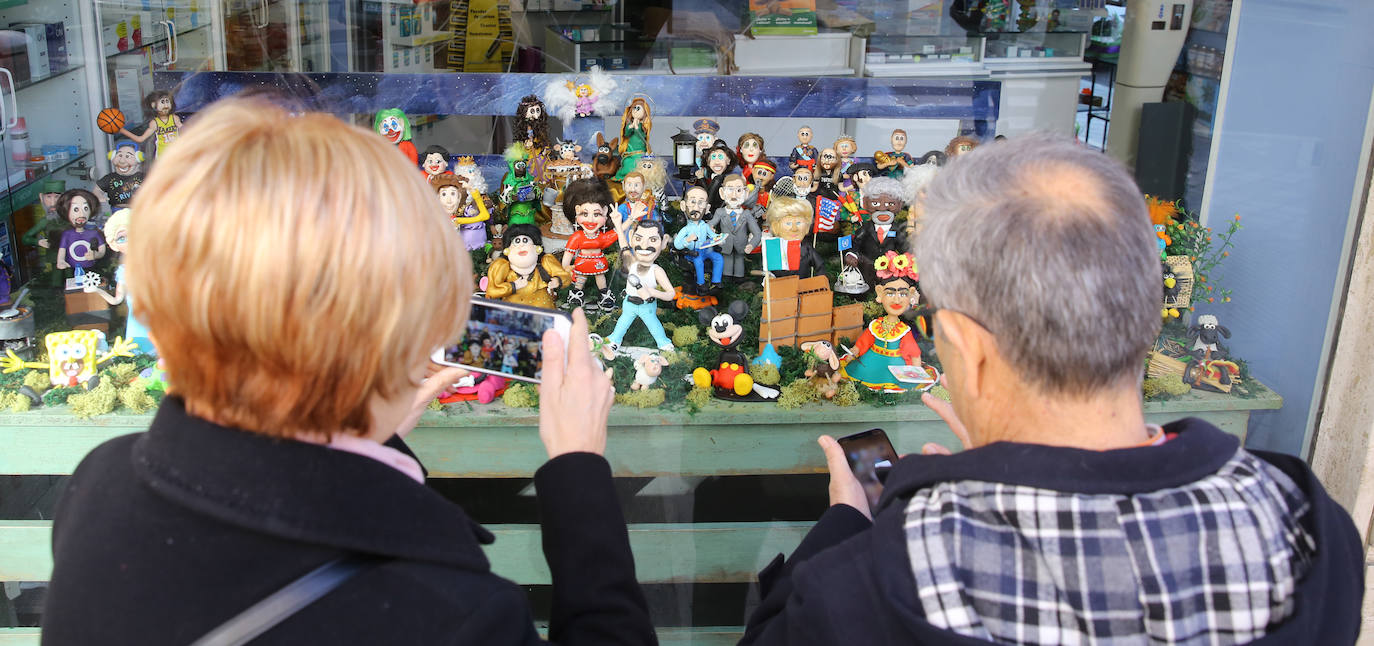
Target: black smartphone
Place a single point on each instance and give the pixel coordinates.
(503, 339)
(870, 456)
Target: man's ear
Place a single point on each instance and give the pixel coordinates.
(971, 346)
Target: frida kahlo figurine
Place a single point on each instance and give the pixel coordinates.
(645, 283)
(525, 274)
(117, 235)
(163, 121)
(589, 200)
(393, 124)
(887, 341)
(636, 125)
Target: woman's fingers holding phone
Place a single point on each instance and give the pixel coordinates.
(845, 488)
(575, 396)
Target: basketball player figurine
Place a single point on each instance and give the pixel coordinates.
(164, 124)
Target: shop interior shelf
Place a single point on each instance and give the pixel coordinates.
(35, 81)
(16, 192)
(160, 39)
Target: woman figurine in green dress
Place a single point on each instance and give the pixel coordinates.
(635, 126)
(887, 341)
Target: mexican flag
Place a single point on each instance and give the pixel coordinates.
(781, 255)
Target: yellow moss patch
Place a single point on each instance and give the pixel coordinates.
(699, 397)
(796, 394)
(98, 401)
(846, 395)
(521, 396)
(38, 380)
(686, 335)
(645, 398)
(135, 397)
(766, 374)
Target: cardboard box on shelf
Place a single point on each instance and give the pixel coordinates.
(847, 316)
(36, 46)
(815, 296)
(812, 324)
(780, 288)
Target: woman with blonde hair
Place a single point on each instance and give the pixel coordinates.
(295, 304)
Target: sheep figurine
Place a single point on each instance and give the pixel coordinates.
(647, 369)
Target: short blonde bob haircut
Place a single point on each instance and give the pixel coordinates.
(292, 269)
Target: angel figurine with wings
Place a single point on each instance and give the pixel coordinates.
(582, 97)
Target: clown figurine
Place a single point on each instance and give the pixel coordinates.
(164, 123)
(469, 217)
(804, 154)
(117, 187)
(645, 284)
(393, 124)
(589, 200)
(888, 341)
(525, 274)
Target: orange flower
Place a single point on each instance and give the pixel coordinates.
(1226, 300)
(1237, 217)
(1225, 254)
(1209, 300)
(1161, 212)
(1204, 279)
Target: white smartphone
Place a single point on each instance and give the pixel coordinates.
(505, 339)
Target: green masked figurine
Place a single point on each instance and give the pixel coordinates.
(519, 194)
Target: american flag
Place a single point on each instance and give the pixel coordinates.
(827, 211)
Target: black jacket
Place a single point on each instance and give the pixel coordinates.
(161, 536)
(851, 582)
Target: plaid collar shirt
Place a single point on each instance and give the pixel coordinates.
(1214, 561)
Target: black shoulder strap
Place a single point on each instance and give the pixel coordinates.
(263, 615)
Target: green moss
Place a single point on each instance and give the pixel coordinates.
(135, 397)
(766, 374)
(58, 396)
(98, 401)
(14, 402)
(521, 396)
(697, 398)
(939, 391)
(685, 335)
(797, 394)
(645, 398)
(38, 380)
(434, 405)
(122, 372)
(872, 310)
(846, 395)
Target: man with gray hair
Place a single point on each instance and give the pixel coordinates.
(882, 199)
(1068, 519)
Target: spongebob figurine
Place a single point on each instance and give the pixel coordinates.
(72, 356)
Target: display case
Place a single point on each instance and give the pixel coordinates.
(1017, 46)
(580, 47)
(903, 55)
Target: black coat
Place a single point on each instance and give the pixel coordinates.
(851, 582)
(161, 536)
(868, 247)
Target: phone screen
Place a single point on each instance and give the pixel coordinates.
(870, 456)
(503, 339)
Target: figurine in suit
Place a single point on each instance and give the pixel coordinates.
(879, 233)
(738, 223)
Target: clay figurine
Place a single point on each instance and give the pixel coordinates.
(803, 183)
(639, 203)
(827, 175)
(846, 147)
(705, 131)
(532, 125)
(606, 161)
(959, 145)
(647, 369)
(895, 161)
(118, 186)
(79, 247)
(730, 379)
(43, 234)
(790, 219)
(518, 191)
(582, 97)
(804, 155)
(1209, 369)
(738, 224)
(163, 121)
(764, 173)
(880, 233)
(434, 162)
(393, 124)
(1207, 334)
(73, 357)
(655, 174)
(749, 150)
(636, 125)
(887, 341)
(117, 234)
(645, 283)
(825, 374)
(717, 163)
(525, 274)
(589, 200)
(699, 241)
(468, 216)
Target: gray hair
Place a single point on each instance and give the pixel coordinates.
(1048, 245)
(885, 186)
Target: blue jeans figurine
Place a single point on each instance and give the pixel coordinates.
(647, 312)
(709, 253)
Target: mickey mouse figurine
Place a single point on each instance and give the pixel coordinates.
(730, 379)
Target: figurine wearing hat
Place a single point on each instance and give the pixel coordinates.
(706, 131)
(764, 173)
(42, 235)
(117, 187)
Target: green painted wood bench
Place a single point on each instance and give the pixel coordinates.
(474, 441)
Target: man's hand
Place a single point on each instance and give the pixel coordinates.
(437, 381)
(575, 399)
(844, 487)
(946, 412)
(748, 248)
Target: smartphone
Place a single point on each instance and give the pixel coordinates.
(870, 456)
(504, 339)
